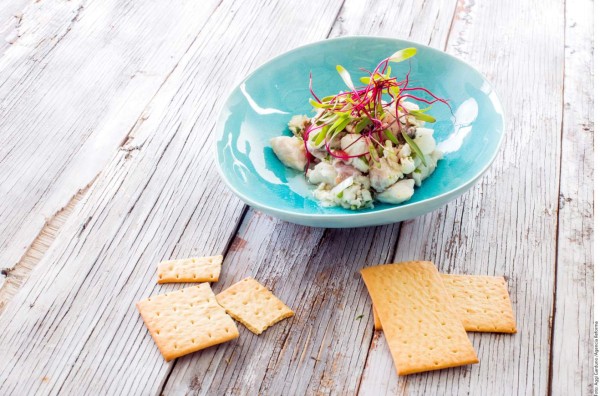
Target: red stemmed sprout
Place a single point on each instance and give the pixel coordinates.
(365, 109)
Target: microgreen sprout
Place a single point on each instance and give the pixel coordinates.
(364, 107)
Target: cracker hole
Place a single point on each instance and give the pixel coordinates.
(175, 346)
(192, 322)
(443, 323)
(211, 275)
(194, 275)
(268, 298)
(424, 334)
(193, 341)
(245, 303)
(280, 308)
(449, 337)
(159, 276)
(209, 335)
(420, 320)
(454, 351)
(193, 260)
(158, 314)
(171, 268)
(177, 276)
(410, 356)
(208, 317)
(405, 342)
(431, 348)
(436, 363)
(256, 313)
(174, 309)
(157, 332)
(226, 330)
(191, 304)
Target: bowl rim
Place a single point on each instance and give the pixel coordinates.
(357, 214)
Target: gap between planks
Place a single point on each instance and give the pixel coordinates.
(242, 217)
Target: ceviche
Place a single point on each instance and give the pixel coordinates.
(368, 143)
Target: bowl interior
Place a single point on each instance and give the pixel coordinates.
(260, 107)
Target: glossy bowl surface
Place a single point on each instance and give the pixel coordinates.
(261, 106)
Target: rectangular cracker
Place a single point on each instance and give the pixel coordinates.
(193, 269)
(481, 302)
(186, 320)
(253, 305)
(420, 327)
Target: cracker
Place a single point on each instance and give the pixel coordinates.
(481, 302)
(186, 320)
(421, 329)
(253, 305)
(193, 269)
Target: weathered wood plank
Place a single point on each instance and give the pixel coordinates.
(324, 348)
(73, 328)
(20, 273)
(73, 85)
(506, 225)
(10, 19)
(572, 352)
(321, 349)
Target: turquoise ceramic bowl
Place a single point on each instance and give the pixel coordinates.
(260, 107)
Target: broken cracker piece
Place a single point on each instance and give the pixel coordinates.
(193, 269)
(186, 320)
(420, 326)
(253, 305)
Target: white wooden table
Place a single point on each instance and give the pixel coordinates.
(106, 114)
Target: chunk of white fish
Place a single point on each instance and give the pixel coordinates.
(399, 192)
(290, 151)
(323, 172)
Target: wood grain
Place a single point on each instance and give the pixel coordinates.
(324, 329)
(130, 90)
(572, 364)
(73, 86)
(506, 224)
(18, 275)
(76, 315)
(315, 272)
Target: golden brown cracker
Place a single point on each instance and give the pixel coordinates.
(482, 303)
(193, 269)
(253, 305)
(420, 327)
(186, 320)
